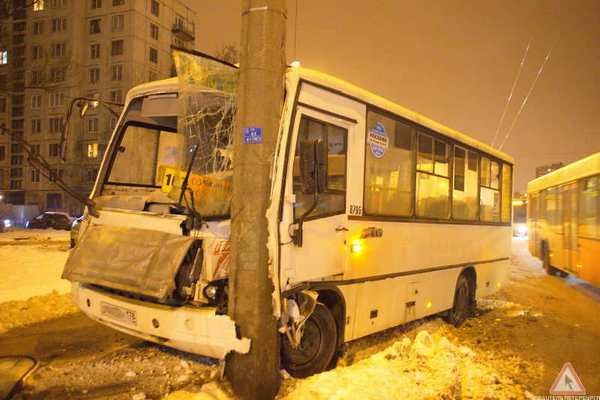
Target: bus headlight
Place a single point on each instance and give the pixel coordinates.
(7, 223)
(210, 292)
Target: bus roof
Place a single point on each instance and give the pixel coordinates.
(367, 97)
(348, 89)
(587, 166)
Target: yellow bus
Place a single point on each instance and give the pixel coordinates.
(564, 219)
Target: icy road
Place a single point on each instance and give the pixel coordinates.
(513, 348)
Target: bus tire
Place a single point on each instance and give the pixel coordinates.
(463, 302)
(545, 252)
(317, 347)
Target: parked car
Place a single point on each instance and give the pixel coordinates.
(50, 219)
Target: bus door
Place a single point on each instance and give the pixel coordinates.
(569, 218)
(322, 253)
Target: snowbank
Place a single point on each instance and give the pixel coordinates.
(31, 263)
(14, 314)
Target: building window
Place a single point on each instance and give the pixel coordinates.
(53, 149)
(57, 74)
(153, 55)
(388, 168)
(96, 4)
(117, 23)
(94, 74)
(17, 123)
(154, 7)
(3, 57)
(116, 96)
(116, 48)
(92, 150)
(37, 52)
(116, 3)
(2, 104)
(433, 184)
(35, 149)
(56, 99)
(92, 125)
(35, 175)
(153, 31)
(16, 148)
(117, 72)
(16, 160)
(112, 123)
(54, 201)
(333, 200)
(95, 25)
(55, 124)
(59, 24)
(37, 77)
(36, 125)
(38, 27)
(57, 49)
(2, 153)
(91, 174)
(38, 5)
(15, 184)
(16, 172)
(36, 101)
(95, 50)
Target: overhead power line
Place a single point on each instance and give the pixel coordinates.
(512, 89)
(524, 102)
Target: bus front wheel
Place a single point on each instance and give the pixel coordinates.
(317, 347)
(463, 302)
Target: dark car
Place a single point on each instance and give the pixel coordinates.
(50, 219)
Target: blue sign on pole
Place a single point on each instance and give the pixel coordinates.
(253, 135)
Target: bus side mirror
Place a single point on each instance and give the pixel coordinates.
(313, 166)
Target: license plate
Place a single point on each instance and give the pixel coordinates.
(118, 313)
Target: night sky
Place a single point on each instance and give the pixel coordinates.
(455, 62)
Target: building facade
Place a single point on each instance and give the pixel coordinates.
(546, 169)
(60, 50)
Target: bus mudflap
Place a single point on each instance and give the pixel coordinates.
(138, 261)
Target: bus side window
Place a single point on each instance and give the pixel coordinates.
(333, 201)
(433, 183)
(489, 193)
(464, 196)
(389, 173)
(506, 192)
(589, 207)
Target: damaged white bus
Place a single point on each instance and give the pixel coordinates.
(379, 216)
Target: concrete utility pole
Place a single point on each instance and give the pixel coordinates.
(256, 375)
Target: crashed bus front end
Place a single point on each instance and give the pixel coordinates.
(154, 262)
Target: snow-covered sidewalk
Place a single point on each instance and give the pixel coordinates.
(31, 263)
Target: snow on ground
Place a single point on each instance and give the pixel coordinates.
(31, 263)
(522, 264)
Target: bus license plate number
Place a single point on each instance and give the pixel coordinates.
(120, 314)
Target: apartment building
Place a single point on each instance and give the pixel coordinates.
(65, 49)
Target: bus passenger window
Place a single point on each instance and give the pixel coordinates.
(489, 193)
(388, 173)
(589, 207)
(333, 201)
(506, 192)
(433, 184)
(464, 196)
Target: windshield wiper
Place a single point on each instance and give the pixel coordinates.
(184, 187)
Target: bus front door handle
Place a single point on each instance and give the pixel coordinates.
(341, 229)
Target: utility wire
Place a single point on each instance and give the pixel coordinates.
(512, 89)
(524, 102)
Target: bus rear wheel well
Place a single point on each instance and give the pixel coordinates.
(471, 275)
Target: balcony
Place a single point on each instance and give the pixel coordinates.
(183, 30)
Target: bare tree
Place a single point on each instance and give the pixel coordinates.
(229, 53)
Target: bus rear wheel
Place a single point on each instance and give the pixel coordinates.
(463, 302)
(550, 270)
(317, 347)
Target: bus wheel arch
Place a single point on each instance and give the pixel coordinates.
(464, 297)
(322, 337)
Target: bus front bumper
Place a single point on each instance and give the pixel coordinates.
(197, 330)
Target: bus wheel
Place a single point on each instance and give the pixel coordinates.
(463, 304)
(317, 346)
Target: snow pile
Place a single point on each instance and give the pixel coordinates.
(209, 391)
(14, 314)
(20, 236)
(430, 367)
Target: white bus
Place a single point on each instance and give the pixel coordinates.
(402, 218)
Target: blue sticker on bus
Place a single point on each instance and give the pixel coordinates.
(377, 140)
(253, 135)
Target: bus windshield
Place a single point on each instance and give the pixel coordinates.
(155, 149)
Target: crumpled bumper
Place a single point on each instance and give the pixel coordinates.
(197, 330)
